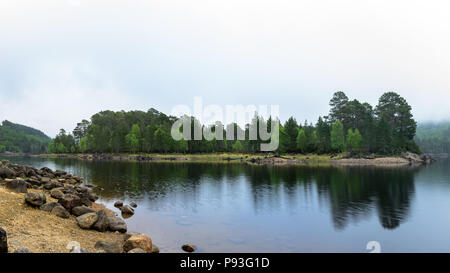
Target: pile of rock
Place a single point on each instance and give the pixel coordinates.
(68, 196)
(71, 197)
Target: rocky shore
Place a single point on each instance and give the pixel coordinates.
(46, 211)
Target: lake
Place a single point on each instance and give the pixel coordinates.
(245, 208)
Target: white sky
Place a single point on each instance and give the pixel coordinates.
(62, 61)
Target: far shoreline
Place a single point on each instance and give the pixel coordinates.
(405, 159)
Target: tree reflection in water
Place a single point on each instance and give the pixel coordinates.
(353, 193)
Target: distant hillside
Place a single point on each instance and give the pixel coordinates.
(23, 139)
(434, 137)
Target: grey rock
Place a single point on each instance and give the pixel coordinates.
(80, 210)
(92, 196)
(19, 186)
(127, 210)
(84, 198)
(23, 250)
(107, 247)
(189, 248)
(129, 234)
(117, 224)
(49, 206)
(134, 205)
(155, 248)
(86, 221)
(137, 250)
(6, 172)
(70, 201)
(56, 193)
(53, 184)
(35, 199)
(60, 212)
(102, 222)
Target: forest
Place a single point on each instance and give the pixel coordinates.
(350, 126)
(434, 137)
(22, 139)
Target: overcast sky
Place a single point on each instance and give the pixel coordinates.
(63, 61)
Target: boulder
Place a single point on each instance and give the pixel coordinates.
(3, 241)
(134, 205)
(118, 204)
(60, 173)
(34, 182)
(189, 248)
(92, 196)
(138, 241)
(60, 212)
(129, 234)
(19, 186)
(117, 224)
(22, 250)
(69, 189)
(86, 221)
(137, 250)
(49, 206)
(107, 247)
(155, 248)
(45, 180)
(74, 247)
(80, 210)
(84, 198)
(35, 199)
(102, 222)
(56, 193)
(70, 201)
(53, 184)
(6, 172)
(127, 210)
(71, 181)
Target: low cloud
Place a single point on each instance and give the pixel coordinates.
(57, 95)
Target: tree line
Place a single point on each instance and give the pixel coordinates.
(22, 139)
(350, 126)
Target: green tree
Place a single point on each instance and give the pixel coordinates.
(384, 143)
(338, 106)
(397, 113)
(291, 132)
(161, 140)
(237, 146)
(354, 140)
(337, 137)
(133, 139)
(302, 142)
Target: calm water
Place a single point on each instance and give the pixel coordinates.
(240, 208)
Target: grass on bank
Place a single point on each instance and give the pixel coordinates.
(217, 157)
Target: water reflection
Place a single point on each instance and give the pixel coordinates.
(352, 193)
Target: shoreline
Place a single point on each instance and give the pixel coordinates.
(406, 159)
(45, 211)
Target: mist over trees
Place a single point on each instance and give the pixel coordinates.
(434, 137)
(351, 126)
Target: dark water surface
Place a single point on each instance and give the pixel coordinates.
(241, 208)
